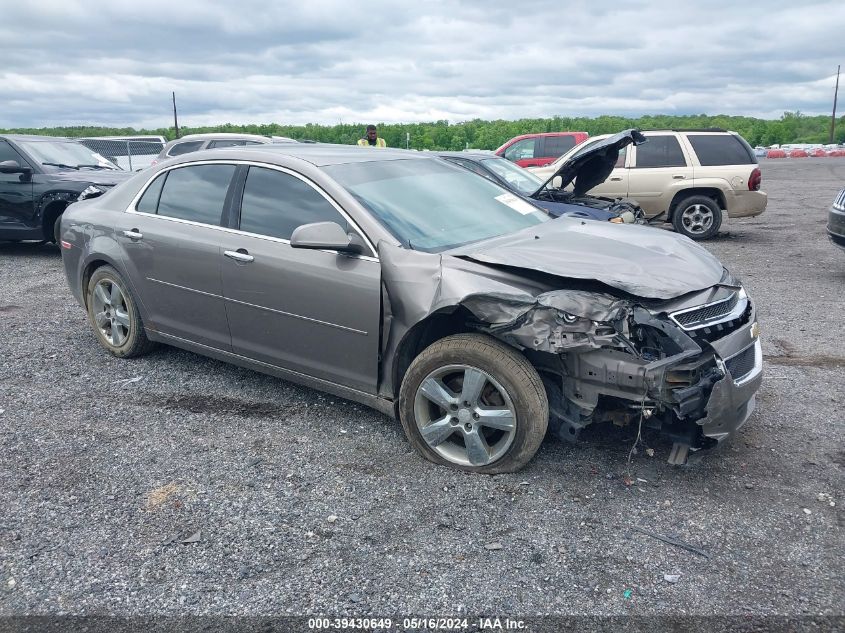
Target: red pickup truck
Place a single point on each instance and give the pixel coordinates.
(537, 150)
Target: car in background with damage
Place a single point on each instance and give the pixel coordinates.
(690, 178)
(836, 220)
(590, 166)
(40, 176)
(399, 281)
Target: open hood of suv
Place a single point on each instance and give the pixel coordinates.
(592, 167)
(635, 259)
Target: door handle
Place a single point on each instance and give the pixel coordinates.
(616, 178)
(240, 255)
(133, 234)
(678, 177)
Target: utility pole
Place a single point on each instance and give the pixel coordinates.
(175, 120)
(833, 117)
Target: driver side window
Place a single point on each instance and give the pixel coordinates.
(275, 203)
(7, 152)
(521, 150)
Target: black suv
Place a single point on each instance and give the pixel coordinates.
(40, 176)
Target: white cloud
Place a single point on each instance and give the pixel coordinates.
(116, 62)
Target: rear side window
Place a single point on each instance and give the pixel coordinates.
(225, 143)
(184, 148)
(149, 201)
(196, 193)
(521, 149)
(468, 164)
(721, 149)
(660, 151)
(275, 203)
(557, 145)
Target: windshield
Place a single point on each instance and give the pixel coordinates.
(520, 179)
(65, 155)
(431, 205)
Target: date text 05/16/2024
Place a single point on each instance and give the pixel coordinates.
(417, 624)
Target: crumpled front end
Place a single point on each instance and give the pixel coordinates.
(688, 365)
(689, 368)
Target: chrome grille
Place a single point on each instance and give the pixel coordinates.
(839, 203)
(741, 364)
(700, 316)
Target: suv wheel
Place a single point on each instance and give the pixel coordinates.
(472, 402)
(114, 315)
(697, 217)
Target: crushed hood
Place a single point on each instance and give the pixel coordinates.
(592, 167)
(635, 259)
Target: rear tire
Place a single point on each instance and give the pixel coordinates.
(57, 230)
(474, 403)
(114, 315)
(697, 217)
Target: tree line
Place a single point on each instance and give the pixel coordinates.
(792, 127)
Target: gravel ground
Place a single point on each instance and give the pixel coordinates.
(301, 503)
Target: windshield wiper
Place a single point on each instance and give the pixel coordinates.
(95, 167)
(62, 165)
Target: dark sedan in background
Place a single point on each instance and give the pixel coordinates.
(836, 220)
(40, 176)
(395, 279)
(590, 166)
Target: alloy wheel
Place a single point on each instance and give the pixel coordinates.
(465, 415)
(697, 219)
(110, 311)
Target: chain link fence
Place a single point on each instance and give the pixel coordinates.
(127, 153)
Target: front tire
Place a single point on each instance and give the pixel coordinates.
(472, 402)
(697, 217)
(114, 315)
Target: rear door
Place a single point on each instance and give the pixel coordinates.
(313, 312)
(172, 244)
(551, 147)
(660, 167)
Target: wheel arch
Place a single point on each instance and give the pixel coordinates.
(51, 210)
(713, 193)
(440, 324)
(88, 269)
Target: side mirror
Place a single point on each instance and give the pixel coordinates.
(557, 181)
(328, 236)
(13, 167)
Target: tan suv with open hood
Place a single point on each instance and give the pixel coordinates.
(690, 177)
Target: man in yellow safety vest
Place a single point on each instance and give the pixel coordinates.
(371, 139)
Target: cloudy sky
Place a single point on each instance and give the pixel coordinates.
(69, 62)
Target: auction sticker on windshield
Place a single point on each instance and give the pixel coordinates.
(516, 203)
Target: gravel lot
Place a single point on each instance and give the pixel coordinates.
(301, 503)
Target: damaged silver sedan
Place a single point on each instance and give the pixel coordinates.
(400, 281)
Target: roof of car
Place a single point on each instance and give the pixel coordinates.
(470, 155)
(35, 137)
(318, 154)
(223, 136)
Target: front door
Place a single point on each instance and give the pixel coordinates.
(659, 167)
(16, 196)
(616, 184)
(310, 311)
